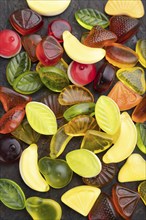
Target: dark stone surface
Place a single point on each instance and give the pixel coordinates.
(11, 171)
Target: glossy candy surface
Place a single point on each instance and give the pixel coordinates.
(142, 191)
(139, 113)
(141, 136)
(141, 51)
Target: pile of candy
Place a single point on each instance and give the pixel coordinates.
(103, 124)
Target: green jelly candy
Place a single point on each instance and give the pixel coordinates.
(79, 109)
(11, 194)
(89, 18)
(96, 141)
(56, 172)
(141, 136)
(141, 51)
(17, 65)
(43, 209)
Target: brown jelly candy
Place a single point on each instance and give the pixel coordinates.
(139, 113)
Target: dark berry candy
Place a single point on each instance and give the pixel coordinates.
(26, 21)
(124, 27)
(10, 149)
(57, 27)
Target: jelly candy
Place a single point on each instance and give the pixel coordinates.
(104, 78)
(106, 175)
(10, 43)
(81, 74)
(26, 21)
(142, 191)
(11, 119)
(141, 136)
(124, 97)
(56, 172)
(121, 56)
(10, 149)
(10, 99)
(57, 27)
(103, 209)
(124, 27)
(140, 50)
(30, 43)
(89, 17)
(99, 37)
(139, 113)
(133, 169)
(41, 209)
(125, 200)
(134, 78)
(74, 94)
(49, 51)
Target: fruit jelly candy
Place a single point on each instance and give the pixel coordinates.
(140, 50)
(139, 113)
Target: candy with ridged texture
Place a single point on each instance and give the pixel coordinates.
(99, 37)
(141, 51)
(121, 56)
(142, 191)
(124, 27)
(139, 113)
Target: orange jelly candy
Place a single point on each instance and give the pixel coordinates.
(124, 97)
(121, 56)
(139, 113)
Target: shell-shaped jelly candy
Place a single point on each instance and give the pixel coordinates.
(99, 37)
(40, 208)
(74, 94)
(125, 200)
(142, 191)
(121, 56)
(139, 113)
(26, 21)
(124, 27)
(141, 51)
(141, 136)
(124, 96)
(134, 78)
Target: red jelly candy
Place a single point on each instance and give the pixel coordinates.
(57, 27)
(10, 43)
(26, 21)
(124, 27)
(49, 51)
(10, 99)
(30, 43)
(125, 200)
(99, 37)
(11, 120)
(139, 113)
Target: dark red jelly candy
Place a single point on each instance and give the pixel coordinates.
(57, 27)
(125, 200)
(10, 149)
(124, 27)
(10, 99)
(104, 78)
(49, 51)
(103, 209)
(26, 21)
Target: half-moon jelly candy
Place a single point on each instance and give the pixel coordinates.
(26, 21)
(121, 56)
(10, 43)
(139, 113)
(141, 51)
(49, 51)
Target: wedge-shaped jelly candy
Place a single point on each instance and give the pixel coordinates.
(124, 96)
(134, 78)
(139, 113)
(41, 209)
(73, 94)
(124, 27)
(81, 198)
(99, 37)
(107, 115)
(104, 78)
(103, 209)
(141, 136)
(41, 118)
(106, 175)
(56, 172)
(125, 200)
(124, 145)
(123, 7)
(121, 56)
(140, 50)
(133, 169)
(11, 99)
(96, 141)
(142, 191)
(26, 21)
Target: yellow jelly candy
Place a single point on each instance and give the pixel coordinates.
(141, 51)
(142, 191)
